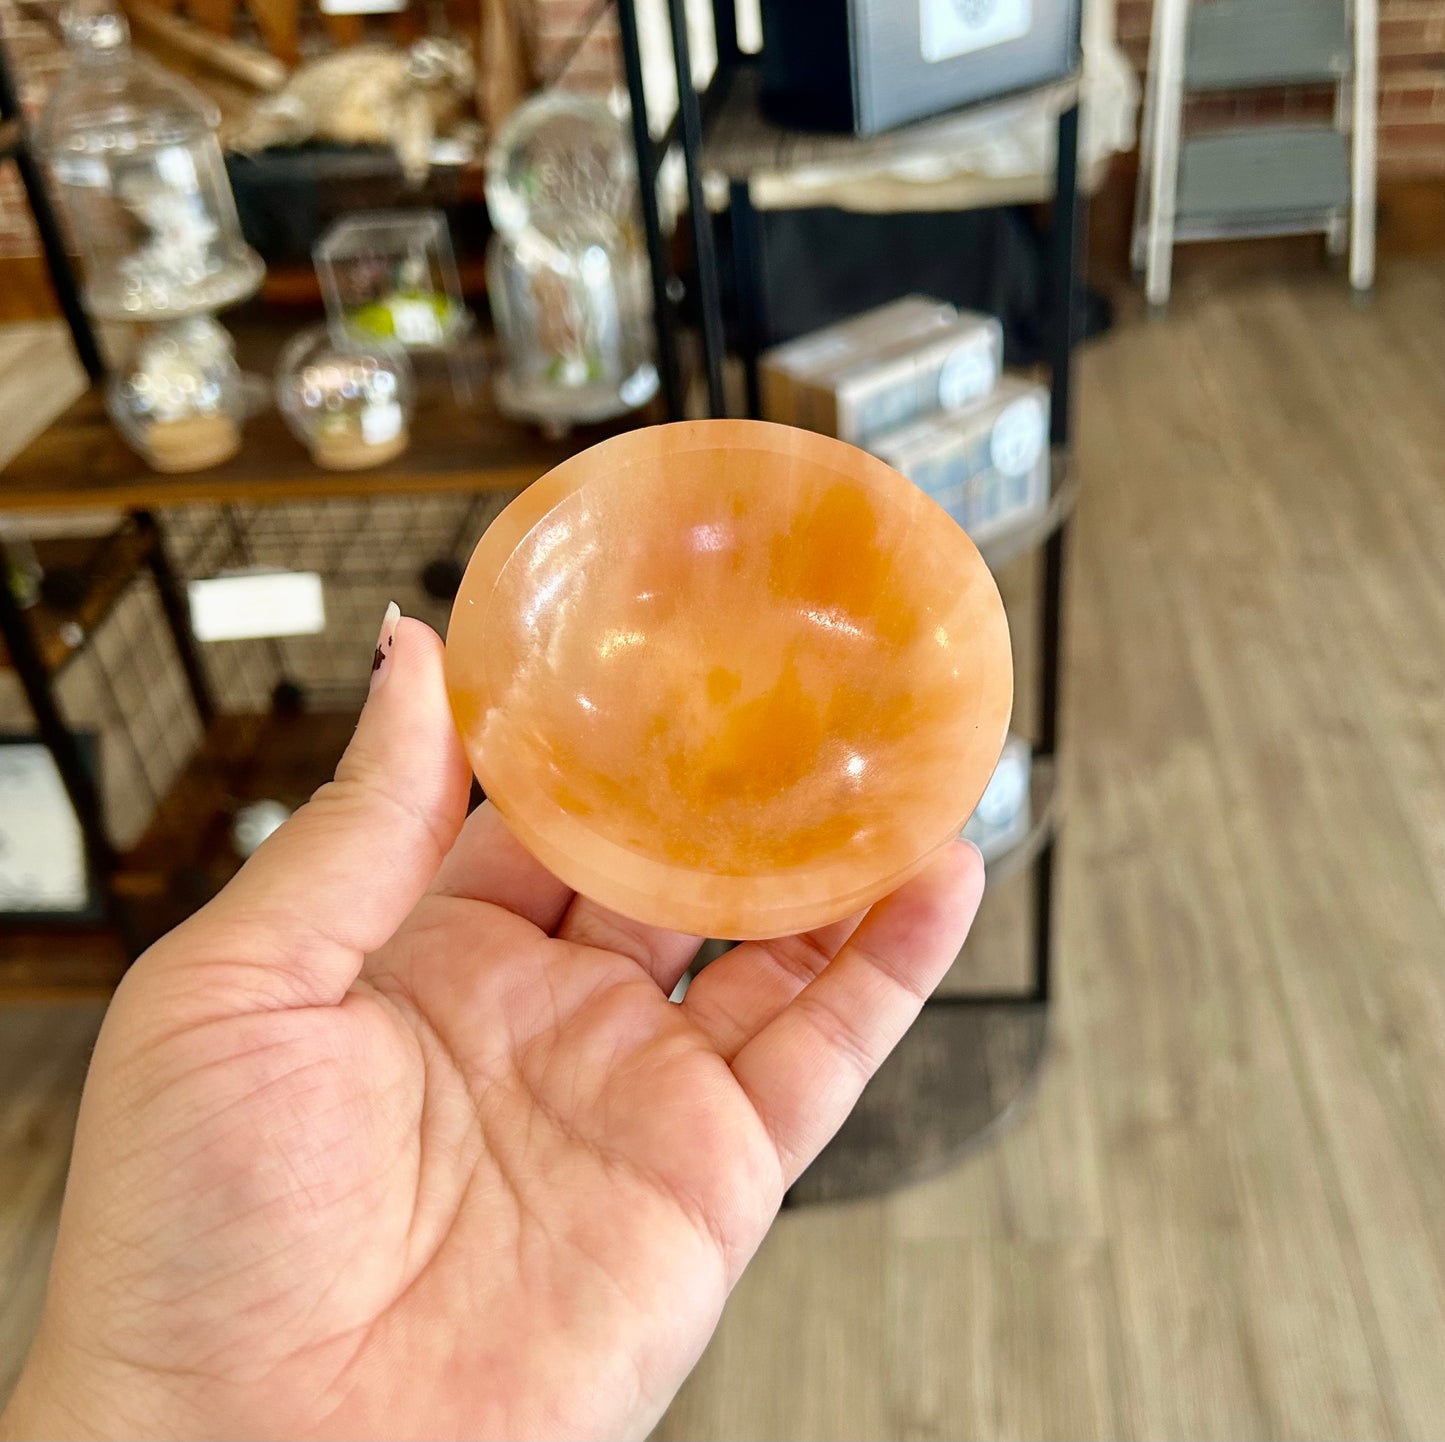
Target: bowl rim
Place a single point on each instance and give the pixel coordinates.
(660, 904)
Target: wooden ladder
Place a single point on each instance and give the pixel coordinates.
(1289, 178)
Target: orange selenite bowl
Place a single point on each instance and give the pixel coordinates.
(729, 677)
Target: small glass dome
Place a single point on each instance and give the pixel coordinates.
(348, 401)
(557, 157)
(180, 399)
(137, 164)
(566, 270)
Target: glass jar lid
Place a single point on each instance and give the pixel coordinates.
(558, 158)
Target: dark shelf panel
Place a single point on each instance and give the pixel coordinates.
(108, 564)
(740, 140)
(58, 963)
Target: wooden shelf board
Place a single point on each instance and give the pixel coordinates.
(80, 461)
(53, 963)
(743, 143)
(109, 564)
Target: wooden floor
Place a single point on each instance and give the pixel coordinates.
(1221, 1214)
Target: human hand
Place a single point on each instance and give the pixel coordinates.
(399, 1136)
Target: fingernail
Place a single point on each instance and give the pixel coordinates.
(381, 661)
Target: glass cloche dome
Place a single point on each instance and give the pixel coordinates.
(566, 271)
(135, 157)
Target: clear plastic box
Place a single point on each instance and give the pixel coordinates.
(1002, 817)
(986, 465)
(390, 275)
(884, 369)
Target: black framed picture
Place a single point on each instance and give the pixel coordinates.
(45, 874)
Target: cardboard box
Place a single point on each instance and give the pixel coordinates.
(986, 465)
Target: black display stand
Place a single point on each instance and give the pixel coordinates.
(972, 1055)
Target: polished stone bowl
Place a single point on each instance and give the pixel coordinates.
(729, 677)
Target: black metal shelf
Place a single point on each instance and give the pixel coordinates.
(931, 1099)
(102, 567)
(740, 141)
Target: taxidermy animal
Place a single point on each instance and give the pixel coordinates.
(367, 95)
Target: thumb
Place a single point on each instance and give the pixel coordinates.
(334, 883)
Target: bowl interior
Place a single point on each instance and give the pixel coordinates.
(726, 669)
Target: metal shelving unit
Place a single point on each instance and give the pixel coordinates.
(973, 1055)
(464, 461)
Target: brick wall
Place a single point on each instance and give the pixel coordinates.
(1412, 81)
(1412, 85)
(558, 29)
(38, 57)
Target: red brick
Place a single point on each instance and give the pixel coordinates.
(1412, 164)
(1404, 35)
(1409, 95)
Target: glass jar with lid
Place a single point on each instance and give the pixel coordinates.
(135, 156)
(180, 399)
(348, 401)
(566, 271)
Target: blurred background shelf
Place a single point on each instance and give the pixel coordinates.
(1043, 825)
(98, 568)
(1027, 535)
(185, 856)
(80, 461)
(741, 141)
(43, 963)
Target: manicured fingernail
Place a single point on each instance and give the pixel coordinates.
(381, 661)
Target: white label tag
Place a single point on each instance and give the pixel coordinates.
(257, 603)
(381, 422)
(1017, 441)
(416, 322)
(42, 853)
(88, 170)
(949, 28)
(966, 375)
(362, 7)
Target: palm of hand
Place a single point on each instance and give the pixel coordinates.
(473, 1174)
(446, 1167)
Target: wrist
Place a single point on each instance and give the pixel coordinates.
(51, 1402)
(31, 1413)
